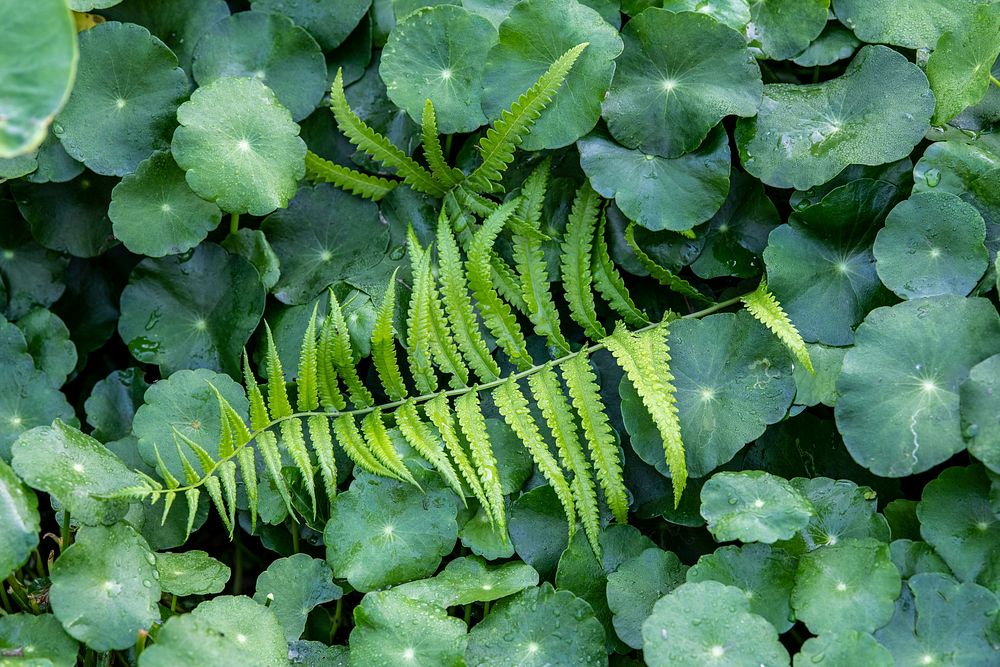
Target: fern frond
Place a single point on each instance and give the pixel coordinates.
(473, 425)
(319, 170)
(354, 446)
(214, 488)
(307, 384)
(663, 275)
(380, 444)
(498, 144)
(384, 345)
(267, 444)
(191, 496)
(248, 473)
(419, 331)
(328, 384)
(377, 145)
(227, 475)
(190, 475)
(420, 438)
(496, 314)
(576, 260)
(439, 413)
(514, 407)
(446, 175)
(586, 395)
(458, 305)
(610, 284)
(444, 350)
(277, 393)
(762, 305)
(164, 471)
(205, 460)
(259, 418)
(342, 357)
(645, 358)
(295, 442)
(322, 444)
(555, 409)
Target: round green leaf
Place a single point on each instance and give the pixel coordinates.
(940, 621)
(48, 343)
(317, 654)
(27, 398)
(39, 639)
(154, 212)
(32, 275)
(105, 587)
(537, 529)
(733, 378)
(191, 311)
(435, 53)
(18, 166)
(765, 574)
(706, 623)
(179, 23)
(21, 522)
(391, 629)
(660, 193)
(537, 627)
(876, 112)
(54, 163)
(843, 510)
(124, 100)
(484, 539)
(239, 147)
(835, 43)
(753, 506)
(733, 13)
(635, 587)
(980, 408)
(87, 5)
(70, 217)
(290, 62)
(314, 246)
(470, 579)
(184, 401)
(191, 573)
(932, 243)
(252, 245)
(227, 630)
(956, 519)
(679, 75)
(846, 586)
(898, 407)
(113, 401)
(915, 24)
(38, 58)
(294, 586)
(959, 68)
(329, 24)
(781, 29)
(384, 532)
(533, 35)
(914, 557)
(74, 469)
(812, 389)
(843, 648)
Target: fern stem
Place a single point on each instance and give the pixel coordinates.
(450, 393)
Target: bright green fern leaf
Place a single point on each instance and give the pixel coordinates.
(445, 175)
(380, 444)
(610, 284)
(259, 417)
(354, 446)
(306, 391)
(762, 305)
(267, 444)
(576, 259)
(664, 276)
(357, 183)
(342, 356)
(277, 393)
(439, 413)
(473, 425)
(248, 473)
(384, 345)
(322, 444)
(422, 440)
(419, 330)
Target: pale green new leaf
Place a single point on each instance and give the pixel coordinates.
(306, 395)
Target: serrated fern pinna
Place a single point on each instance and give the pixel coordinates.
(461, 289)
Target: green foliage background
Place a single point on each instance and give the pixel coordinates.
(714, 280)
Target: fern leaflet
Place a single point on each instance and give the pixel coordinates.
(319, 170)
(763, 306)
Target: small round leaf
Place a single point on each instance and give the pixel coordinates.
(471, 579)
(635, 587)
(191, 573)
(391, 629)
(843, 648)
(21, 524)
(294, 586)
(49, 643)
(753, 506)
(329, 23)
(781, 29)
(980, 407)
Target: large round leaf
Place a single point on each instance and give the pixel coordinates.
(765, 574)
(533, 35)
(733, 13)
(538, 627)
(194, 311)
(70, 217)
(844, 648)
(40, 639)
(932, 243)
(124, 100)
(239, 146)
(436, 54)
(227, 630)
(876, 112)
(267, 47)
(179, 23)
(391, 629)
(959, 68)
(847, 586)
(708, 623)
(324, 236)
(20, 521)
(843, 510)
(470, 579)
(980, 408)
(37, 64)
(186, 402)
(291, 587)
(384, 532)
(898, 407)
(635, 587)
(660, 193)
(679, 75)
(753, 506)
(957, 520)
(329, 23)
(915, 24)
(733, 378)
(74, 469)
(105, 587)
(154, 212)
(781, 29)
